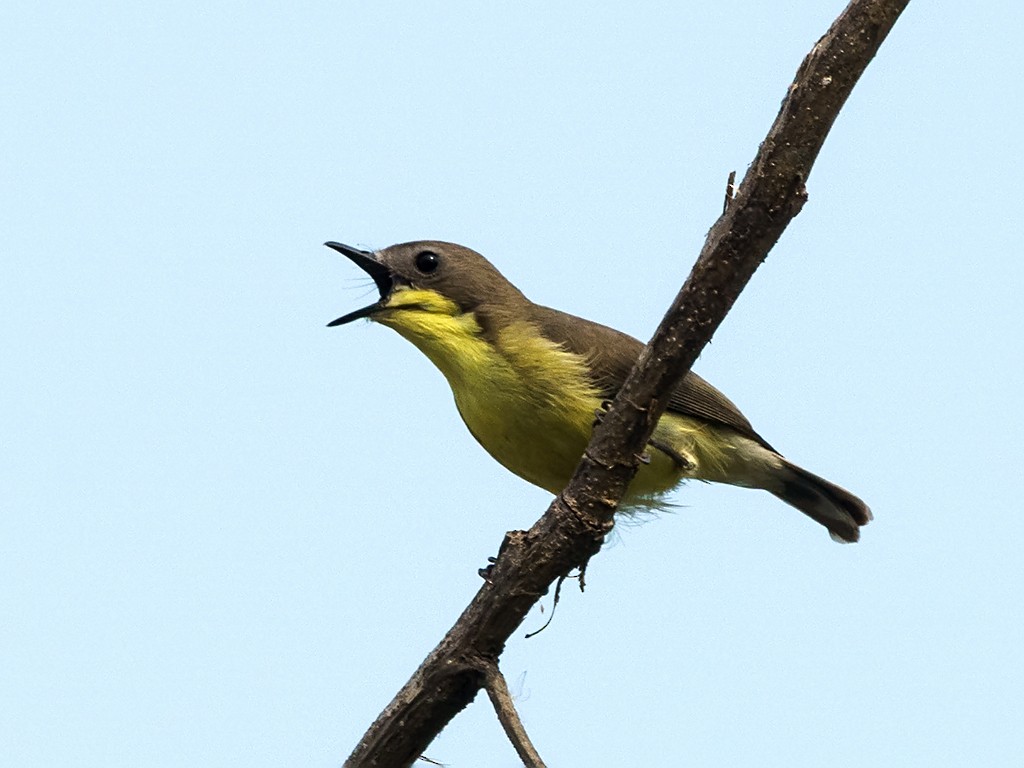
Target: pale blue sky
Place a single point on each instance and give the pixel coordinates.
(228, 534)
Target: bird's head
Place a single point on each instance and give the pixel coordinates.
(429, 277)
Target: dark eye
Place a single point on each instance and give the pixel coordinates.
(427, 262)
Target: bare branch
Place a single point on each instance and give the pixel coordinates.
(497, 690)
(573, 528)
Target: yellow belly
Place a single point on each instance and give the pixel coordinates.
(532, 405)
(538, 425)
(540, 432)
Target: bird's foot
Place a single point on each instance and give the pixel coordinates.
(600, 412)
(683, 464)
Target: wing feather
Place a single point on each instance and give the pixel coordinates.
(612, 354)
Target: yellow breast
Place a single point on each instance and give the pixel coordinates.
(527, 401)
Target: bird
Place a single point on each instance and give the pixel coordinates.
(528, 380)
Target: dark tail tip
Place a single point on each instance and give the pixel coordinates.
(835, 508)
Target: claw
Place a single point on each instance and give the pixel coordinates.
(600, 412)
(681, 462)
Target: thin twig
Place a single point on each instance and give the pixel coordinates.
(497, 690)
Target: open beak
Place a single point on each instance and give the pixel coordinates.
(381, 277)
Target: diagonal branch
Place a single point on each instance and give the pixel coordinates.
(573, 528)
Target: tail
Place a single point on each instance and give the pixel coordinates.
(834, 507)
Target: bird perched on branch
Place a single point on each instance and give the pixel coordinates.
(528, 381)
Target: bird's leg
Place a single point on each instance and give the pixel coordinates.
(678, 459)
(643, 458)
